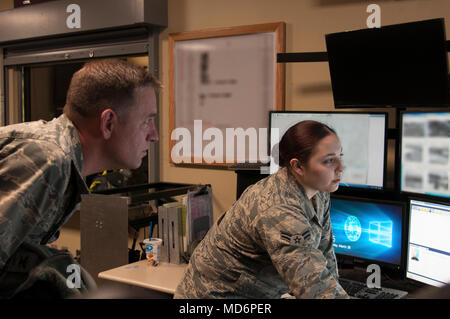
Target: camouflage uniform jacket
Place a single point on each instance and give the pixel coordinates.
(40, 181)
(272, 241)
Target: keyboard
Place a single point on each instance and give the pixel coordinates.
(360, 290)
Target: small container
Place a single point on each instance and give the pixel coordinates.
(153, 250)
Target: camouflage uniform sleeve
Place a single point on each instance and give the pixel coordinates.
(326, 245)
(289, 240)
(30, 189)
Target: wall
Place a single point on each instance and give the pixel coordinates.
(308, 85)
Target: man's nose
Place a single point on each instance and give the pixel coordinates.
(153, 134)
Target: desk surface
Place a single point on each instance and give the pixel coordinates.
(164, 277)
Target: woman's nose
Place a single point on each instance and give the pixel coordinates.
(340, 167)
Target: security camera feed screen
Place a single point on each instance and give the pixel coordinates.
(425, 153)
(367, 230)
(364, 152)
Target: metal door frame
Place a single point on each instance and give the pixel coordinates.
(146, 43)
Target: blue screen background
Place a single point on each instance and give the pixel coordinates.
(367, 230)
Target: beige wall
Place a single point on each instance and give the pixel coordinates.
(308, 85)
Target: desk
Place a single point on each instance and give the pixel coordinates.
(164, 277)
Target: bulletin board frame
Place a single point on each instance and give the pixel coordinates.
(213, 40)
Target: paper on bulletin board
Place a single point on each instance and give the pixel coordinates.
(226, 82)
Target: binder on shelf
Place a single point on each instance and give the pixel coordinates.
(199, 215)
(182, 225)
(175, 234)
(163, 229)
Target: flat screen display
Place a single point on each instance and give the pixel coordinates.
(368, 230)
(364, 153)
(429, 243)
(398, 65)
(425, 158)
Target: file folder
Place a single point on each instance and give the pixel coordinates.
(163, 228)
(175, 234)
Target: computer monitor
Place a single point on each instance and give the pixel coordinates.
(428, 258)
(370, 230)
(425, 158)
(397, 65)
(364, 153)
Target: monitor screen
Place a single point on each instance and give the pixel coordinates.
(398, 65)
(364, 153)
(369, 230)
(425, 144)
(428, 258)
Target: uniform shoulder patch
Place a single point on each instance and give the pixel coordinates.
(296, 239)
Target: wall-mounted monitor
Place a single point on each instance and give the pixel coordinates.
(397, 65)
(364, 152)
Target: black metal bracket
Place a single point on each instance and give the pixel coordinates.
(312, 56)
(161, 190)
(393, 133)
(302, 57)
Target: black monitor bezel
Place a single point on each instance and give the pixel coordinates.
(386, 123)
(400, 155)
(421, 199)
(401, 268)
(349, 105)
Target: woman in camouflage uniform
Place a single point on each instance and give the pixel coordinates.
(277, 237)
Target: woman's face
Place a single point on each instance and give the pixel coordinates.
(323, 170)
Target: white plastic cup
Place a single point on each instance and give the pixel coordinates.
(153, 250)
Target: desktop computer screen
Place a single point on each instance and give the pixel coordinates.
(425, 144)
(370, 230)
(364, 153)
(428, 258)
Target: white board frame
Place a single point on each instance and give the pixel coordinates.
(234, 92)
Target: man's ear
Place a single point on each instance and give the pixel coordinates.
(108, 122)
(296, 166)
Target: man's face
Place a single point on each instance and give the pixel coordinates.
(324, 169)
(135, 132)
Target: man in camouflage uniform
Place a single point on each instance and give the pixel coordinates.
(43, 164)
(41, 181)
(272, 241)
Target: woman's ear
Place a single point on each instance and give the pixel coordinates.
(296, 166)
(108, 122)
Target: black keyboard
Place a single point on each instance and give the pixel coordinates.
(360, 290)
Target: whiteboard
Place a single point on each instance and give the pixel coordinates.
(225, 82)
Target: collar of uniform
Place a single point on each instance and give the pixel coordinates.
(309, 209)
(71, 145)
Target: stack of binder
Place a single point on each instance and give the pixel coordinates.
(183, 226)
(170, 228)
